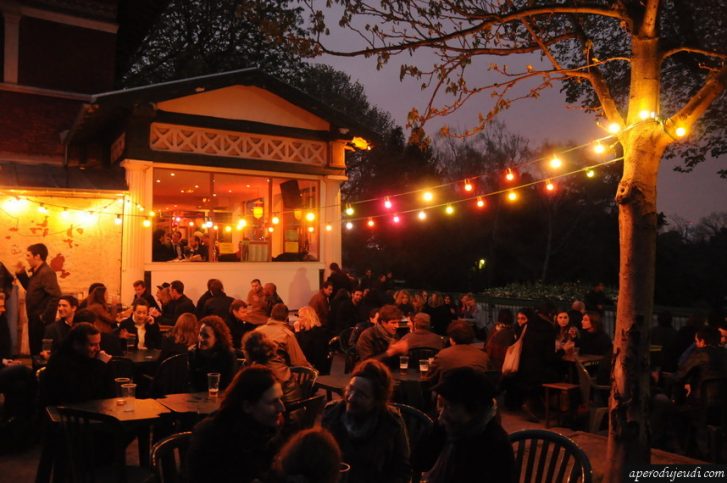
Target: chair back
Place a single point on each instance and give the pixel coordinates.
(584, 382)
(82, 432)
(304, 413)
(545, 456)
(417, 425)
(121, 367)
(168, 458)
(172, 376)
(418, 353)
(306, 379)
(344, 338)
(713, 398)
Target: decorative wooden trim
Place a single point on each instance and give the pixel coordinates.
(232, 144)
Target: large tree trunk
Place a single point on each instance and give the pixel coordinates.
(629, 432)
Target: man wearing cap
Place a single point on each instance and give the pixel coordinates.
(467, 443)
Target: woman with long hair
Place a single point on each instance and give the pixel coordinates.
(312, 338)
(213, 353)
(310, 456)
(239, 442)
(105, 316)
(403, 301)
(182, 337)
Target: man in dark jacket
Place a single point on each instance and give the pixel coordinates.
(181, 304)
(460, 353)
(58, 330)
(141, 293)
(214, 301)
(42, 292)
(378, 342)
(467, 443)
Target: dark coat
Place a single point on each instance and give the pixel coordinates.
(224, 449)
(460, 355)
(148, 298)
(314, 344)
(214, 360)
(218, 305)
(373, 343)
(497, 345)
(380, 456)
(42, 290)
(537, 359)
(181, 306)
(153, 336)
(71, 378)
(486, 456)
(57, 331)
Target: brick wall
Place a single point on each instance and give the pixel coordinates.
(31, 124)
(64, 57)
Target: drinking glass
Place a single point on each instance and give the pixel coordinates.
(403, 364)
(423, 366)
(128, 392)
(213, 384)
(120, 381)
(130, 342)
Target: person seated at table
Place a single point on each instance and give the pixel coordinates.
(270, 290)
(213, 353)
(439, 313)
(236, 322)
(256, 303)
(370, 433)
(182, 338)
(239, 442)
(593, 339)
(259, 349)
(460, 353)
(467, 444)
(78, 371)
(358, 329)
(278, 330)
(708, 361)
(566, 333)
(143, 326)
(403, 303)
(105, 314)
(110, 343)
(421, 334)
(214, 301)
(58, 330)
(312, 338)
(141, 293)
(311, 455)
(378, 342)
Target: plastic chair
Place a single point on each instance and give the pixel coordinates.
(168, 458)
(304, 413)
(85, 433)
(306, 379)
(172, 376)
(588, 387)
(549, 457)
(417, 425)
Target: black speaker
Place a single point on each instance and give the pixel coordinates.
(291, 195)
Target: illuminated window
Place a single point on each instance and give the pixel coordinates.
(258, 218)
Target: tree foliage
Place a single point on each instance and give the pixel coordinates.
(198, 37)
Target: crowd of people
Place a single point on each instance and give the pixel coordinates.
(246, 437)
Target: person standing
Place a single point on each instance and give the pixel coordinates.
(181, 303)
(321, 303)
(42, 291)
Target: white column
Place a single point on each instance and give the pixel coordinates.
(331, 213)
(136, 249)
(12, 47)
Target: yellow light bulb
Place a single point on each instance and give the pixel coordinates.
(599, 148)
(152, 214)
(644, 115)
(427, 196)
(590, 173)
(349, 211)
(228, 229)
(310, 216)
(549, 186)
(191, 223)
(370, 223)
(512, 196)
(349, 226)
(216, 227)
(329, 227)
(480, 203)
(556, 163)
(422, 215)
(468, 186)
(614, 128)
(311, 229)
(271, 229)
(510, 175)
(146, 223)
(275, 220)
(449, 209)
(680, 131)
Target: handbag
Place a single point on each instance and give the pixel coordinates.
(511, 364)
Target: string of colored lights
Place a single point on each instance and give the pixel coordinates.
(554, 161)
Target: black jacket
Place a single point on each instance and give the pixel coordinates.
(153, 336)
(71, 378)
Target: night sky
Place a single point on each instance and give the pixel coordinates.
(689, 196)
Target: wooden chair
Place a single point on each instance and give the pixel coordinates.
(85, 435)
(549, 457)
(306, 379)
(588, 388)
(168, 458)
(304, 413)
(172, 376)
(417, 425)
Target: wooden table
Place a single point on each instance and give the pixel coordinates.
(336, 383)
(196, 402)
(585, 359)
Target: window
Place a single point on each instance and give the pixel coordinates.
(245, 218)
